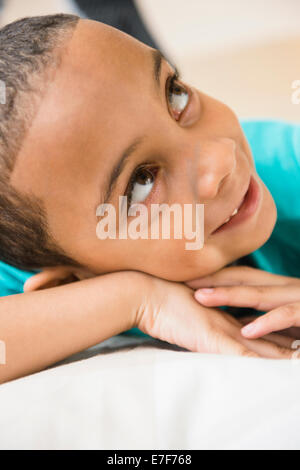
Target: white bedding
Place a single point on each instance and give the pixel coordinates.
(139, 393)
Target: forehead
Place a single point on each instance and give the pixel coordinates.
(98, 72)
(97, 49)
(96, 87)
(71, 141)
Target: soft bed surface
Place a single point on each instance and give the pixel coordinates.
(140, 393)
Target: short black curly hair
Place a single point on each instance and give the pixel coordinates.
(29, 48)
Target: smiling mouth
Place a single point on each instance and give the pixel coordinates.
(236, 210)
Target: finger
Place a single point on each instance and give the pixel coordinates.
(246, 320)
(48, 277)
(254, 348)
(291, 333)
(268, 349)
(280, 340)
(258, 297)
(240, 275)
(285, 338)
(230, 346)
(278, 319)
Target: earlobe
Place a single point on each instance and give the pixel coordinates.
(49, 277)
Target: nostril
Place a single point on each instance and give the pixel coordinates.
(216, 164)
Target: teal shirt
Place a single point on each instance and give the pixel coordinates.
(12, 279)
(276, 151)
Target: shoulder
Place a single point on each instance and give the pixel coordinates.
(12, 279)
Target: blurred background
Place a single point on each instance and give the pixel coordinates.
(246, 53)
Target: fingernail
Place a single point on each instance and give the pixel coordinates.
(204, 291)
(249, 329)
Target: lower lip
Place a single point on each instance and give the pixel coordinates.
(247, 209)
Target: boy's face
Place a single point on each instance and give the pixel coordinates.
(106, 97)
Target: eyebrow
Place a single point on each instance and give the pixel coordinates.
(119, 167)
(157, 59)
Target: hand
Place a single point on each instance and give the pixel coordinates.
(243, 286)
(169, 312)
(292, 332)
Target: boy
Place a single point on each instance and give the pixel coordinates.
(92, 114)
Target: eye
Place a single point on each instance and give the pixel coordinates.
(141, 184)
(177, 96)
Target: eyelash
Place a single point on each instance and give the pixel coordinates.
(172, 78)
(151, 168)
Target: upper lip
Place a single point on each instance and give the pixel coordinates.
(237, 205)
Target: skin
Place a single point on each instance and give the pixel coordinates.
(242, 286)
(66, 160)
(71, 148)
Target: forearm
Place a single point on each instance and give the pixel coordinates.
(43, 327)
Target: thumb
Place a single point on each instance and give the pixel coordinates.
(49, 277)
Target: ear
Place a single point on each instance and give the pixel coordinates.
(55, 276)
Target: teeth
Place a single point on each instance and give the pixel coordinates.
(234, 213)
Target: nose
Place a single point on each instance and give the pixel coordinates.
(215, 161)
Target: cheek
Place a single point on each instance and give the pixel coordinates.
(221, 119)
(268, 213)
(169, 259)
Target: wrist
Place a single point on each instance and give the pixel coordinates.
(138, 287)
(127, 292)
